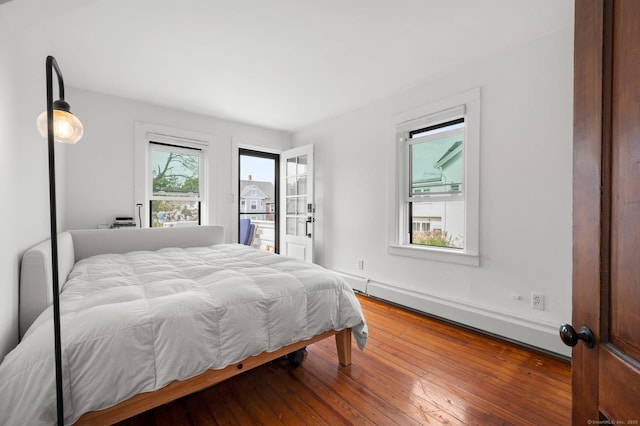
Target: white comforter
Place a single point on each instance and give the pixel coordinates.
(133, 323)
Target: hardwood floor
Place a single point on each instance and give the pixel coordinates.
(415, 370)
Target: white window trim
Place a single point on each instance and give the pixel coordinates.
(148, 132)
(397, 177)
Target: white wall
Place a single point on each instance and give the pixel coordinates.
(8, 271)
(525, 196)
(23, 167)
(100, 168)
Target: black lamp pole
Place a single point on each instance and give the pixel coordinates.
(53, 65)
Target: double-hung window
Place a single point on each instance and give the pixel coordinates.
(436, 172)
(435, 194)
(176, 182)
(170, 176)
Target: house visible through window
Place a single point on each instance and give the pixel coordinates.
(176, 182)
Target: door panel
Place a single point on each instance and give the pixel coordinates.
(297, 191)
(296, 250)
(606, 243)
(624, 329)
(620, 352)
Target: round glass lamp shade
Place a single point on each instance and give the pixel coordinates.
(66, 126)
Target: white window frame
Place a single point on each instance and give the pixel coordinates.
(145, 134)
(398, 226)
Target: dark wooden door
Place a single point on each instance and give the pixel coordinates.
(606, 226)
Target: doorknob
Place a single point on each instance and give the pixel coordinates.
(570, 336)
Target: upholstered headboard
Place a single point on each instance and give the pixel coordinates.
(36, 275)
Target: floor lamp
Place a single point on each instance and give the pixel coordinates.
(57, 124)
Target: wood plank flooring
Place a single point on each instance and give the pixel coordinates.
(415, 370)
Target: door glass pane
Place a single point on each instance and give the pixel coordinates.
(302, 205)
(291, 166)
(302, 185)
(292, 186)
(291, 206)
(302, 228)
(302, 165)
(257, 189)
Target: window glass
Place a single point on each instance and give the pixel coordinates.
(176, 185)
(436, 165)
(175, 173)
(166, 213)
(439, 224)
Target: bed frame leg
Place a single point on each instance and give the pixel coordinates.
(343, 344)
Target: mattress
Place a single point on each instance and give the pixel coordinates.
(135, 322)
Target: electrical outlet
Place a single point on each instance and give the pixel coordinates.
(537, 301)
(360, 264)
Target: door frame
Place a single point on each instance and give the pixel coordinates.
(262, 153)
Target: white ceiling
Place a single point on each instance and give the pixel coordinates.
(281, 64)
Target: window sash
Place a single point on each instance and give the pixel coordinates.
(151, 217)
(408, 194)
(414, 133)
(449, 114)
(446, 234)
(176, 196)
(451, 195)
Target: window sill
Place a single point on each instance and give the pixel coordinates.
(439, 255)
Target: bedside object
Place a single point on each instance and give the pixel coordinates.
(124, 222)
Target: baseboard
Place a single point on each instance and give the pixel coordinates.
(357, 283)
(525, 331)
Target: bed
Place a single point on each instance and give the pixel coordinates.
(151, 315)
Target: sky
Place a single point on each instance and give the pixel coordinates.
(260, 169)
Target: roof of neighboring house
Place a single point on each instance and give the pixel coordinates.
(451, 152)
(265, 187)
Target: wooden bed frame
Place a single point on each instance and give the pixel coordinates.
(179, 388)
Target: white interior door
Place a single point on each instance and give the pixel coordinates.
(297, 222)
